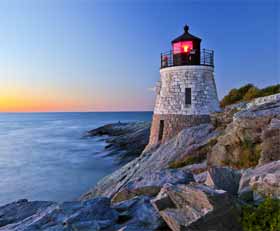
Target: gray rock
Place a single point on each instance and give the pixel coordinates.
(183, 144)
(201, 177)
(271, 142)
(89, 215)
(150, 183)
(137, 214)
(242, 142)
(196, 168)
(125, 140)
(19, 210)
(223, 178)
(197, 207)
(260, 181)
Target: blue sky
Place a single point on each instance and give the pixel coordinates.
(93, 55)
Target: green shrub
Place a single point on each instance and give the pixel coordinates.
(271, 90)
(187, 161)
(265, 217)
(248, 92)
(243, 90)
(252, 93)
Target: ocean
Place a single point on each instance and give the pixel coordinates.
(44, 156)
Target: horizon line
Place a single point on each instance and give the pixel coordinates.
(23, 112)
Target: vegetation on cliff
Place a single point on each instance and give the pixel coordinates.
(198, 156)
(250, 154)
(247, 93)
(266, 216)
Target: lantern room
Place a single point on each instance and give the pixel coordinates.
(186, 51)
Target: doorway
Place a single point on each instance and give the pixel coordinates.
(161, 128)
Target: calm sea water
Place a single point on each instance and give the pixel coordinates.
(44, 156)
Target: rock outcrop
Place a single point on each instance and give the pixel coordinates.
(184, 144)
(271, 142)
(150, 183)
(196, 207)
(98, 214)
(223, 178)
(138, 214)
(260, 181)
(94, 214)
(19, 210)
(246, 139)
(125, 140)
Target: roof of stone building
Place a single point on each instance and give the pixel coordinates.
(186, 36)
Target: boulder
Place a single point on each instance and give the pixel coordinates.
(260, 181)
(223, 178)
(138, 214)
(271, 142)
(242, 142)
(197, 207)
(150, 183)
(185, 143)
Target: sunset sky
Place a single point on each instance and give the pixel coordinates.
(104, 55)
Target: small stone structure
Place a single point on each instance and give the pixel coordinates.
(186, 93)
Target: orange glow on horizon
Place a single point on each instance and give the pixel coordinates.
(15, 100)
(12, 104)
(30, 103)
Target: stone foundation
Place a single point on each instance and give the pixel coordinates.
(173, 124)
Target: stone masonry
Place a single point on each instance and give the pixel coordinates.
(170, 104)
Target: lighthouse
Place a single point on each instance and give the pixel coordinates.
(186, 92)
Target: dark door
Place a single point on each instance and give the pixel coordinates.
(161, 128)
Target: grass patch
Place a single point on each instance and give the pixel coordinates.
(196, 157)
(250, 154)
(186, 161)
(248, 157)
(265, 217)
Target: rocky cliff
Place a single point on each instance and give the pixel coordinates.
(199, 180)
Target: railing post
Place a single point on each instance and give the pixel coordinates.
(212, 58)
(204, 57)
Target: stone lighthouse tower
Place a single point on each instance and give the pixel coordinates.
(186, 92)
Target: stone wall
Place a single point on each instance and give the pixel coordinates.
(170, 103)
(173, 124)
(171, 91)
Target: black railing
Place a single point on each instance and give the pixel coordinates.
(206, 59)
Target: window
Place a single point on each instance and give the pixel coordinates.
(188, 96)
(161, 128)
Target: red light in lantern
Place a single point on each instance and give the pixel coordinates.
(182, 47)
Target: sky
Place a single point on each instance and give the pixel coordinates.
(104, 55)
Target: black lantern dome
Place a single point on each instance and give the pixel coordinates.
(186, 36)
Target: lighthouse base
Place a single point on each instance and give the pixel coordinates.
(165, 127)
